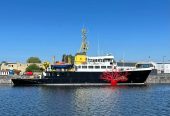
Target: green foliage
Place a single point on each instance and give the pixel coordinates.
(33, 60)
(46, 65)
(72, 59)
(2, 63)
(68, 59)
(33, 68)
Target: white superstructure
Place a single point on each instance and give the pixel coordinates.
(102, 64)
(97, 64)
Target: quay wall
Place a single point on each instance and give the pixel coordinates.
(5, 80)
(159, 78)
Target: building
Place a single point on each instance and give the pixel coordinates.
(158, 67)
(17, 66)
(163, 67)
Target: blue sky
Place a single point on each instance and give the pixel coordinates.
(135, 29)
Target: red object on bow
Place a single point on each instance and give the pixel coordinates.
(114, 77)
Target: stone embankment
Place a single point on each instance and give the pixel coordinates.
(5, 80)
(160, 78)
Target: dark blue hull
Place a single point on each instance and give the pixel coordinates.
(81, 78)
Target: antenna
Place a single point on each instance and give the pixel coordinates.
(123, 59)
(84, 45)
(53, 60)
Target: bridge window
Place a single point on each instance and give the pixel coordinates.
(94, 60)
(144, 65)
(99, 60)
(90, 60)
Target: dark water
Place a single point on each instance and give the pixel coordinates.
(148, 100)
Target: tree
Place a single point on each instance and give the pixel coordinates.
(68, 59)
(33, 60)
(3, 62)
(33, 68)
(72, 59)
(63, 57)
(46, 65)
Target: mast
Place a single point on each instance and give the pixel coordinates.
(84, 45)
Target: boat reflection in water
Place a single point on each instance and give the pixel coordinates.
(93, 100)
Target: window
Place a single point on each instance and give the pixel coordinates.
(89, 60)
(99, 60)
(103, 67)
(97, 67)
(109, 67)
(94, 60)
(84, 67)
(107, 60)
(79, 66)
(90, 67)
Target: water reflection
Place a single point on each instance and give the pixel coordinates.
(95, 101)
(89, 100)
(85, 101)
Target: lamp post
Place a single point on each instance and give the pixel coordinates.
(149, 58)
